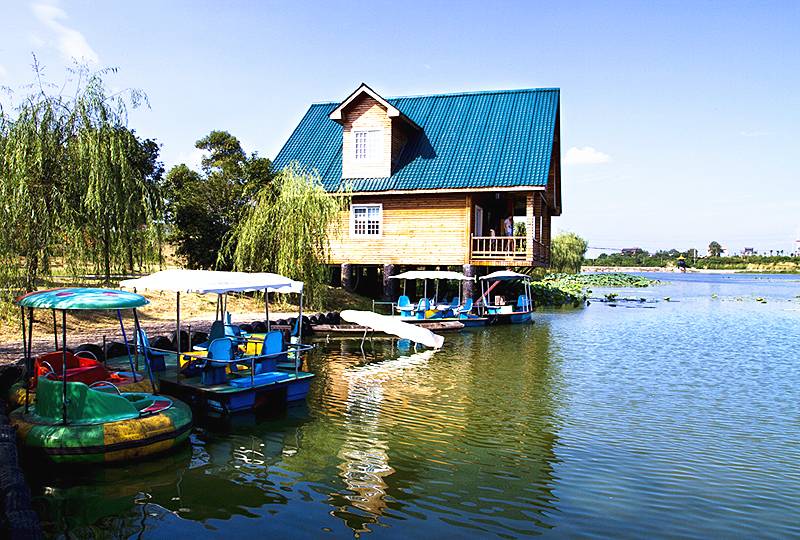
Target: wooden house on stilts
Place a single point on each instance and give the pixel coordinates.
(435, 178)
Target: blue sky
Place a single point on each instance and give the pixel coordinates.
(679, 119)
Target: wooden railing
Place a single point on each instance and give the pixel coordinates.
(508, 248)
(499, 247)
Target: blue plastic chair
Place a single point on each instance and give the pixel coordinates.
(422, 307)
(273, 345)
(465, 308)
(404, 306)
(156, 359)
(523, 303)
(220, 356)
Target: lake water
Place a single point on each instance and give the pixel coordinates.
(678, 419)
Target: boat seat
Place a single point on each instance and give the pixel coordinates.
(79, 369)
(156, 405)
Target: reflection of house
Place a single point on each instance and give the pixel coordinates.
(434, 177)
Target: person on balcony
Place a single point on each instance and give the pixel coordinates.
(508, 226)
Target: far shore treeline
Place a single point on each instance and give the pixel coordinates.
(86, 200)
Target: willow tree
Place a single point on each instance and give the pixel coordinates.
(73, 186)
(287, 230)
(566, 252)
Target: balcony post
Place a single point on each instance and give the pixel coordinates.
(530, 226)
(389, 285)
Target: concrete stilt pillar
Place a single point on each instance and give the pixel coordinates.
(389, 285)
(468, 287)
(347, 277)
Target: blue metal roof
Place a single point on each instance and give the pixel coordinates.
(468, 140)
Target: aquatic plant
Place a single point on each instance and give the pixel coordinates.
(602, 280)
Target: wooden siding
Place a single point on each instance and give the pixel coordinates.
(366, 113)
(425, 230)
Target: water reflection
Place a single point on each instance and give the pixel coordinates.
(391, 438)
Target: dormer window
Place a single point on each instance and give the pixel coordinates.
(367, 144)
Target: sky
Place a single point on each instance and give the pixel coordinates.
(680, 121)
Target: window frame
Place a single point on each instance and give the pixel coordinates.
(372, 137)
(366, 207)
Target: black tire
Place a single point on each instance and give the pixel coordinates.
(163, 343)
(259, 327)
(198, 338)
(95, 350)
(115, 349)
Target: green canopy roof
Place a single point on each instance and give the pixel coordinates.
(82, 298)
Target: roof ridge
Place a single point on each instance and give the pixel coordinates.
(462, 93)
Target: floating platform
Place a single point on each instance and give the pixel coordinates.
(357, 330)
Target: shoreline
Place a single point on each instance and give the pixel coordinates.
(662, 269)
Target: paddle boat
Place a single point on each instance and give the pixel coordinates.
(233, 371)
(501, 312)
(427, 309)
(79, 415)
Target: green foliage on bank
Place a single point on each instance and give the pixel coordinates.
(566, 252)
(286, 230)
(79, 190)
(203, 207)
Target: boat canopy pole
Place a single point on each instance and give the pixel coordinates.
(127, 345)
(27, 355)
(299, 335)
(404, 286)
(436, 295)
(425, 288)
(55, 331)
(178, 329)
(266, 308)
(64, 366)
(138, 329)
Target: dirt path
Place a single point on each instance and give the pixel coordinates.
(11, 351)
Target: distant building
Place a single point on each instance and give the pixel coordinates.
(632, 251)
(748, 251)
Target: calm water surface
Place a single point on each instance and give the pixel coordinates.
(676, 419)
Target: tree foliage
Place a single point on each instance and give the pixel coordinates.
(566, 252)
(202, 208)
(715, 249)
(78, 187)
(287, 230)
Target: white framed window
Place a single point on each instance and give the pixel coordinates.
(366, 219)
(367, 144)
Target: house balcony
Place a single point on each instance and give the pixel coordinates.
(508, 251)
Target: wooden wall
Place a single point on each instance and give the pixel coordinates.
(366, 113)
(425, 229)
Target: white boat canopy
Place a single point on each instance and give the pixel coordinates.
(208, 281)
(391, 325)
(432, 274)
(505, 275)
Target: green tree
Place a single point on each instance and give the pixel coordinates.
(715, 249)
(566, 252)
(287, 230)
(74, 183)
(202, 209)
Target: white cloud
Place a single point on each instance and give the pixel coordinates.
(755, 133)
(585, 155)
(70, 42)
